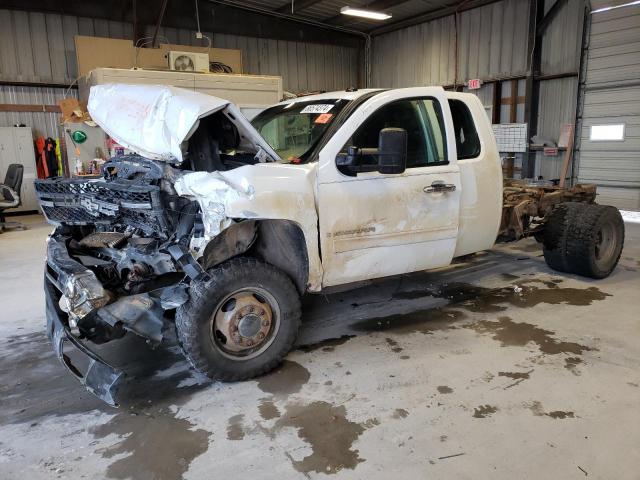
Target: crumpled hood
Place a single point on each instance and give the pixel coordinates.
(155, 121)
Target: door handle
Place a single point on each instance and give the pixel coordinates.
(439, 186)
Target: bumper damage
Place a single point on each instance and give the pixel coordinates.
(76, 301)
(100, 378)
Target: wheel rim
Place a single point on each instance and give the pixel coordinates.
(245, 323)
(605, 244)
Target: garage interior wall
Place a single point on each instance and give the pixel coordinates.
(612, 96)
(492, 46)
(39, 48)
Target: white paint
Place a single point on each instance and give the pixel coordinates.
(157, 120)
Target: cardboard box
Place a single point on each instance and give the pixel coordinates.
(94, 52)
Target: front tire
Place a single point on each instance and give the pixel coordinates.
(240, 323)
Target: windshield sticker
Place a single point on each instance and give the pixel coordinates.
(323, 118)
(318, 108)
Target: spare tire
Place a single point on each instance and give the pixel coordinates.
(555, 234)
(595, 242)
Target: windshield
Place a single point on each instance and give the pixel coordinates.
(293, 130)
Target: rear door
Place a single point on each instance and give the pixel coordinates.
(376, 225)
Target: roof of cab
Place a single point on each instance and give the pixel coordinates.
(338, 94)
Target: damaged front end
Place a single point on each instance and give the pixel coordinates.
(118, 261)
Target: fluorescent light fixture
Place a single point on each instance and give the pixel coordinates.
(361, 12)
(606, 9)
(607, 133)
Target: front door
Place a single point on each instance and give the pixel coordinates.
(376, 225)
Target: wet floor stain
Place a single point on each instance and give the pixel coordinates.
(515, 334)
(424, 321)
(571, 364)
(371, 422)
(399, 413)
(445, 389)
(268, 410)
(524, 294)
(538, 410)
(394, 345)
(329, 434)
(558, 414)
(484, 411)
(285, 380)
(157, 447)
(327, 345)
(235, 428)
(515, 375)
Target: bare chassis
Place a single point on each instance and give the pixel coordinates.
(526, 207)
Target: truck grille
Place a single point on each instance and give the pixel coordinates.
(91, 202)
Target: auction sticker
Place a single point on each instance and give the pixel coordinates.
(317, 108)
(323, 118)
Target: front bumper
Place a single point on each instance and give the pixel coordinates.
(100, 378)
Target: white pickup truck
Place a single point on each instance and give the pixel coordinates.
(218, 225)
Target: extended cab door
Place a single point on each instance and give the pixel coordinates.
(376, 225)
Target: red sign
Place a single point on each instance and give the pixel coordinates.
(474, 84)
(550, 151)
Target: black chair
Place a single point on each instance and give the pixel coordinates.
(10, 195)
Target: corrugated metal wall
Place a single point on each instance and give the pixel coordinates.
(492, 42)
(43, 124)
(612, 96)
(38, 47)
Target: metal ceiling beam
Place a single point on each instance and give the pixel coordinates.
(163, 8)
(430, 15)
(214, 17)
(379, 5)
(548, 18)
(297, 6)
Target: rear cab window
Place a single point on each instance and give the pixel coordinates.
(464, 128)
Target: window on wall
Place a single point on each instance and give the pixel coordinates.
(423, 121)
(467, 140)
(607, 133)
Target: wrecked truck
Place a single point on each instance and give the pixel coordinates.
(217, 226)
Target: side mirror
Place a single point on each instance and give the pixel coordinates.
(392, 150)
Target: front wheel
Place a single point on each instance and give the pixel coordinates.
(240, 323)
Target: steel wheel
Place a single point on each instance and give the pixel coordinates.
(245, 323)
(605, 244)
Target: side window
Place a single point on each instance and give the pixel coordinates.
(421, 118)
(467, 141)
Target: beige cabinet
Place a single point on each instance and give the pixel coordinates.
(252, 93)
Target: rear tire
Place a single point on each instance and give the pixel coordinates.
(242, 322)
(555, 234)
(595, 243)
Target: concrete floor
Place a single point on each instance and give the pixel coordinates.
(448, 374)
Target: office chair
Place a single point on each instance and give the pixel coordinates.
(10, 195)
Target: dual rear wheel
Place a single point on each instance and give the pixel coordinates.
(585, 239)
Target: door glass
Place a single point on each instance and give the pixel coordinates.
(423, 121)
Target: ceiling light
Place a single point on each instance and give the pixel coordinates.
(606, 9)
(360, 12)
